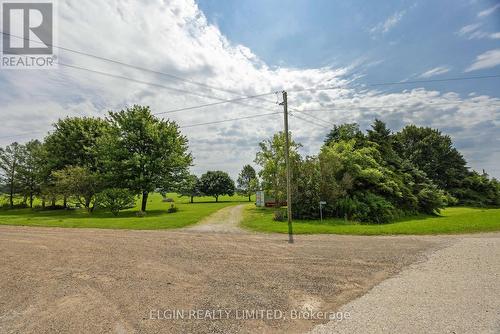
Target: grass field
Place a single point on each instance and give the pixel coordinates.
(450, 221)
(156, 218)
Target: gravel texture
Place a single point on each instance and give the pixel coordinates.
(456, 291)
(57, 280)
(223, 221)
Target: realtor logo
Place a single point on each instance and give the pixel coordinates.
(27, 35)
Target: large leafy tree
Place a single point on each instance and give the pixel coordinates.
(142, 152)
(190, 186)
(216, 183)
(433, 153)
(271, 159)
(247, 181)
(74, 142)
(10, 157)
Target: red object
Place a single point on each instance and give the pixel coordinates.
(274, 204)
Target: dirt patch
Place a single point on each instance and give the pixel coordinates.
(109, 281)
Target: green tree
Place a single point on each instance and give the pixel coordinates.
(190, 186)
(74, 142)
(216, 183)
(433, 153)
(271, 159)
(115, 200)
(306, 193)
(143, 153)
(346, 131)
(247, 181)
(10, 157)
(479, 190)
(31, 170)
(357, 182)
(78, 183)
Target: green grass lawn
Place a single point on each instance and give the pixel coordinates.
(156, 218)
(451, 220)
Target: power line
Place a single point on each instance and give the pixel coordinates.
(180, 127)
(333, 108)
(311, 116)
(308, 121)
(400, 83)
(117, 76)
(114, 61)
(230, 120)
(304, 111)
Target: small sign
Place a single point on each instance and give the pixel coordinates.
(322, 203)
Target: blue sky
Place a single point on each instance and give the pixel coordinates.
(250, 47)
(424, 35)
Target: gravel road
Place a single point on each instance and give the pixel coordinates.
(56, 280)
(225, 220)
(457, 290)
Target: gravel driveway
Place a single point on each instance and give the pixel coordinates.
(456, 291)
(56, 280)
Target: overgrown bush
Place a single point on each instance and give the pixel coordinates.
(116, 199)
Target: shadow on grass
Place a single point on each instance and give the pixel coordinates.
(78, 213)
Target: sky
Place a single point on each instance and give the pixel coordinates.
(251, 47)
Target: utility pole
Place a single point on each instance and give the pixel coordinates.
(288, 176)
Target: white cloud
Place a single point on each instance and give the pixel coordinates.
(485, 60)
(435, 71)
(175, 37)
(468, 29)
(495, 35)
(488, 11)
(473, 31)
(388, 24)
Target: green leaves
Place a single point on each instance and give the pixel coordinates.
(247, 181)
(216, 183)
(143, 153)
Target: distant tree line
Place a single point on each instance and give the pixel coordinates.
(217, 183)
(375, 176)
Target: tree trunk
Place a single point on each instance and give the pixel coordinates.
(11, 196)
(249, 198)
(31, 200)
(144, 200)
(65, 202)
(216, 198)
(43, 203)
(53, 202)
(192, 199)
(87, 205)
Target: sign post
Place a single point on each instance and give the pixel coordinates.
(321, 203)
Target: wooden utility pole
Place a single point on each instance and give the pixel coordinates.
(288, 176)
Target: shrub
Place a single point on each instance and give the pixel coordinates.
(373, 208)
(172, 208)
(280, 215)
(116, 199)
(430, 200)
